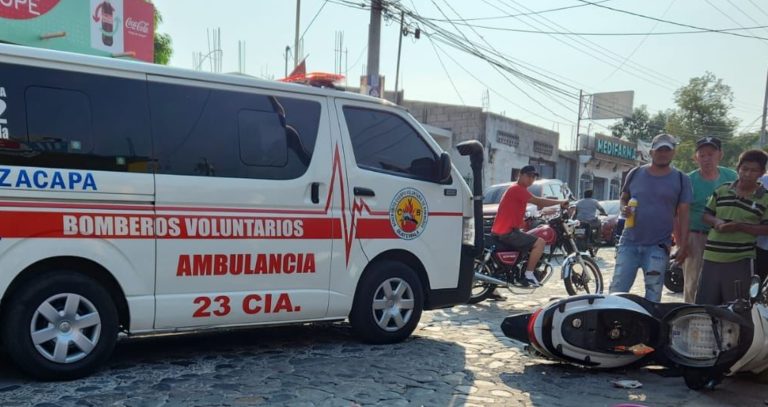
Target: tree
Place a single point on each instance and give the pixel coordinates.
(703, 109)
(736, 146)
(640, 126)
(163, 44)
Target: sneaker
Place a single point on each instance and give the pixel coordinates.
(531, 282)
(495, 296)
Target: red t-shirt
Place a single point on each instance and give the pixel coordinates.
(511, 210)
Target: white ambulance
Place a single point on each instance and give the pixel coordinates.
(137, 199)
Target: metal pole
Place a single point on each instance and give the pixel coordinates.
(763, 137)
(399, 46)
(578, 148)
(296, 42)
(374, 39)
(287, 50)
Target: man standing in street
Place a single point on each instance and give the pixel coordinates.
(704, 181)
(661, 193)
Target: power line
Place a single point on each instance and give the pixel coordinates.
(742, 12)
(492, 89)
(605, 34)
(445, 37)
(497, 69)
(447, 74)
(448, 20)
(758, 7)
(613, 59)
(726, 15)
(313, 19)
(668, 21)
(481, 52)
(365, 48)
(640, 44)
(503, 62)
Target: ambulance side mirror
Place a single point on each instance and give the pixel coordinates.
(444, 168)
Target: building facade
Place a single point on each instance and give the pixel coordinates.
(509, 144)
(605, 160)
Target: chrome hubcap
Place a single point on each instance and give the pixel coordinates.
(65, 328)
(393, 304)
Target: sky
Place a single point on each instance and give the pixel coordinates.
(549, 69)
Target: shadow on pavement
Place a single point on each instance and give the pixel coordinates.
(313, 362)
(551, 384)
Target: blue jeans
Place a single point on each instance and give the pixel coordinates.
(652, 259)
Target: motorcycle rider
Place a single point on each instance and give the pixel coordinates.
(511, 218)
(586, 213)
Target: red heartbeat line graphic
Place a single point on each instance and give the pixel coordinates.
(349, 228)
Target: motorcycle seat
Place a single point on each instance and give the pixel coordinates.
(491, 240)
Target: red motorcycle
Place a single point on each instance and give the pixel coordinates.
(499, 267)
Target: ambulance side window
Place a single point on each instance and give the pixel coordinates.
(59, 120)
(385, 142)
(221, 133)
(74, 120)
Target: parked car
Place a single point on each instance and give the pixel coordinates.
(547, 188)
(609, 234)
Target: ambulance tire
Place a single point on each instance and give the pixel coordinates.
(91, 324)
(388, 303)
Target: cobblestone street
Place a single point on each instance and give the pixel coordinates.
(457, 357)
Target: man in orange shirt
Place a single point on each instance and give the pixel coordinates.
(511, 218)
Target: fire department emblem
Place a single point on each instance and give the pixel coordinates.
(408, 213)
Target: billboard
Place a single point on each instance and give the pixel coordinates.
(114, 28)
(612, 105)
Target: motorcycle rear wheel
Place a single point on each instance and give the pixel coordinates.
(577, 282)
(480, 289)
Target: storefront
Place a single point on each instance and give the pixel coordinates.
(610, 158)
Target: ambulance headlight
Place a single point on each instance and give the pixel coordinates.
(694, 338)
(468, 232)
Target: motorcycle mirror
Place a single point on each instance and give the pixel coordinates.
(754, 287)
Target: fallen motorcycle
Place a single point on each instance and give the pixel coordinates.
(498, 267)
(607, 331)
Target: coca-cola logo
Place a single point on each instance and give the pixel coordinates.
(136, 25)
(25, 9)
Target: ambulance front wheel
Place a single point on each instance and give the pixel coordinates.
(60, 326)
(388, 303)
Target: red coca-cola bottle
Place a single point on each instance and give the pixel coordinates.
(107, 23)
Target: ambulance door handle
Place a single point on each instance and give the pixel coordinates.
(315, 192)
(360, 191)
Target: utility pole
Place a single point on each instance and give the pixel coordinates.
(374, 39)
(578, 148)
(763, 137)
(296, 42)
(399, 46)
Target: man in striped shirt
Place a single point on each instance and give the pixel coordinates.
(738, 213)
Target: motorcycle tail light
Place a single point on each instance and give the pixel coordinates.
(692, 336)
(531, 331)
